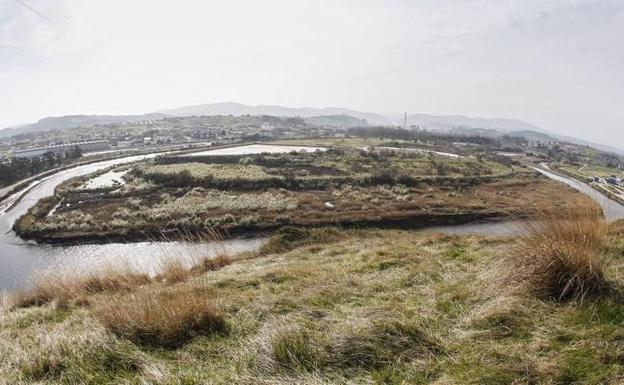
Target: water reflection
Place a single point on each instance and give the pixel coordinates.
(147, 257)
(257, 149)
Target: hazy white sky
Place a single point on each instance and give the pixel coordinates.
(555, 63)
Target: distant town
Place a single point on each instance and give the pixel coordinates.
(224, 129)
(167, 131)
(26, 154)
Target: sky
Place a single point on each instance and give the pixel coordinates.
(558, 64)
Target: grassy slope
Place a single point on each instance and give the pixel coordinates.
(367, 306)
(590, 170)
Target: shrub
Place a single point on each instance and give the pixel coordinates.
(160, 319)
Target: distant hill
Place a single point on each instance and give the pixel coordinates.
(242, 109)
(598, 146)
(467, 131)
(337, 121)
(329, 116)
(492, 133)
(71, 121)
(449, 122)
(534, 135)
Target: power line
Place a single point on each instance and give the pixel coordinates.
(23, 4)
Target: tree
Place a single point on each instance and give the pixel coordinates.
(74, 153)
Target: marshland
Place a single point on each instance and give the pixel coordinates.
(330, 305)
(414, 192)
(254, 193)
(358, 291)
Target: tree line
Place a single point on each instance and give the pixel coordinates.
(15, 169)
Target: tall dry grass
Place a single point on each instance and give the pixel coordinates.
(162, 319)
(137, 306)
(561, 253)
(68, 288)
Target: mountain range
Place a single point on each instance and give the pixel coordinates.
(329, 116)
(72, 121)
(242, 109)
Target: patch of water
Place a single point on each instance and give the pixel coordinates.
(257, 149)
(109, 179)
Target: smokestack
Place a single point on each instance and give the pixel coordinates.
(405, 121)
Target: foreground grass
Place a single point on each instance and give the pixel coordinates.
(391, 307)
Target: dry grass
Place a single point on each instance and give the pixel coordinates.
(173, 271)
(561, 254)
(290, 237)
(160, 319)
(373, 307)
(66, 289)
(69, 288)
(383, 343)
(210, 264)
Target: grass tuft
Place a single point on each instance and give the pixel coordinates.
(290, 237)
(63, 290)
(384, 343)
(561, 256)
(294, 350)
(503, 317)
(160, 319)
(173, 271)
(210, 264)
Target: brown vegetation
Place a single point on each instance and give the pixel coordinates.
(160, 319)
(66, 289)
(62, 290)
(562, 253)
(391, 189)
